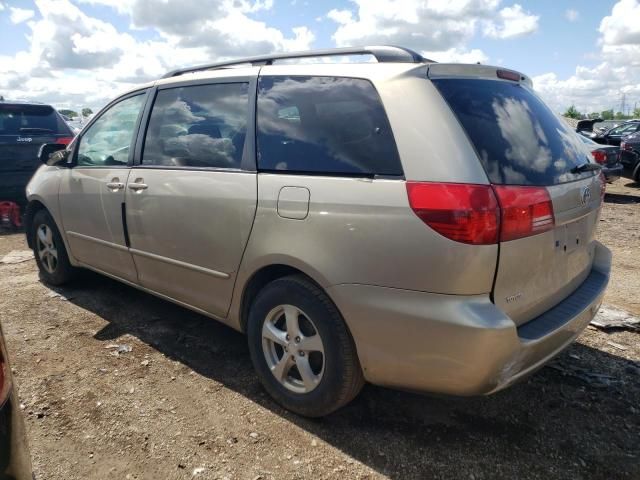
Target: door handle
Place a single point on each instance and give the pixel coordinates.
(115, 186)
(138, 186)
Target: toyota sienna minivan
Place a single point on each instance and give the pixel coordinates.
(412, 224)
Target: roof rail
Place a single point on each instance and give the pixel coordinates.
(382, 53)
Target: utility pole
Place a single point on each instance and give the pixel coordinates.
(622, 104)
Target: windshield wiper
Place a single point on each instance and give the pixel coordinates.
(36, 130)
(586, 167)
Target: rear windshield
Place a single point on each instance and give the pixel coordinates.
(519, 140)
(30, 119)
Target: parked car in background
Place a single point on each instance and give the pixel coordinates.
(585, 127)
(311, 207)
(15, 463)
(24, 128)
(606, 155)
(614, 135)
(630, 156)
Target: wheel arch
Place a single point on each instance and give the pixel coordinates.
(33, 207)
(264, 275)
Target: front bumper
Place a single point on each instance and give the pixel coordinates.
(460, 345)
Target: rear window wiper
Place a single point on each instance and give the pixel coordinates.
(586, 167)
(36, 130)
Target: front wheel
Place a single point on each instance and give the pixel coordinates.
(49, 250)
(301, 348)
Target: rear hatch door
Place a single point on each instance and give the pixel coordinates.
(520, 142)
(23, 129)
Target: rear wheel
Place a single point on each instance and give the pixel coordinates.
(301, 348)
(49, 250)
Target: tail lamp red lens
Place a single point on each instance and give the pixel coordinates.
(508, 75)
(462, 212)
(64, 140)
(481, 214)
(525, 211)
(599, 156)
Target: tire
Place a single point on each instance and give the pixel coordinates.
(336, 373)
(49, 250)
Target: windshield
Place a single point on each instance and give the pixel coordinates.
(622, 129)
(519, 140)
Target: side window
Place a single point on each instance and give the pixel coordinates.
(107, 141)
(198, 126)
(325, 125)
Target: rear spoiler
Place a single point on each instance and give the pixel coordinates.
(460, 70)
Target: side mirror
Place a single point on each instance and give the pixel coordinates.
(53, 154)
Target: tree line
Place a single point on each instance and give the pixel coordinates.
(73, 114)
(572, 112)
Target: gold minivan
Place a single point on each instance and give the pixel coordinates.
(412, 224)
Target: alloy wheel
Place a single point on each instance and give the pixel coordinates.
(46, 248)
(293, 349)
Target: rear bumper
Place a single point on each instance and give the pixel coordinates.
(13, 186)
(460, 345)
(613, 173)
(629, 161)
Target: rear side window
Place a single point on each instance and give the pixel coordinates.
(198, 126)
(324, 125)
(519, 140)
(30, 119)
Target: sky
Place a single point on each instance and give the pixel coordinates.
(82, 53)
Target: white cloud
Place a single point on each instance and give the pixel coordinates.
(572, 15)
(440, 30)
(618, 71)
(343, 17)
(622, 27)
(457, 55)
(75, 60)
(19, 15)
(513, 22)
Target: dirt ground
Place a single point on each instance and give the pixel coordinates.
(184, 402)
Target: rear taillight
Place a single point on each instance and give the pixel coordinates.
(64, 140)
(508, 75)
(462, 212)
(482, 214)
(525, 211)
(599, 156)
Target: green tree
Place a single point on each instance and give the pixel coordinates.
(607, 114)
(620, 116)
(636, 113)
(86, 112)
(68, 113)
(572, 112)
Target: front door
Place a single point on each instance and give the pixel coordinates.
(190, 203)
(92, 192)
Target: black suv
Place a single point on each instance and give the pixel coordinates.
(24, 127)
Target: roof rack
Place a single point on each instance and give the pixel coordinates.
(382, 53)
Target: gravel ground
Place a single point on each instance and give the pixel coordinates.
(116, 383)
